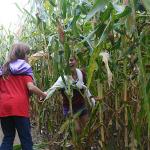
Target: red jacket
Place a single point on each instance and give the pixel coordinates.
(14, 95)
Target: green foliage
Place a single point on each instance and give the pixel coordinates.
(17, 147)
(87, 28)
(146, 4)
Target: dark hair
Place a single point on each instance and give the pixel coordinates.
(18, 51)
(73, 56)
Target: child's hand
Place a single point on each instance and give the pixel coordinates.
(41, 99)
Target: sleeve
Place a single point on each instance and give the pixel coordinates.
(84, 76)
(90, 97)
(57, 85)
(28, 79)
(87, 92)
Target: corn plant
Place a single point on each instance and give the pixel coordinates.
(55, 30)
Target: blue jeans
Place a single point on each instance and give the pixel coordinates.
(9, 126)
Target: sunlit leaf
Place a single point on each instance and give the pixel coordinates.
(98, 6)
(63, 4)
(52, 2)
(124, 12)
(146, 4)
(105, 15)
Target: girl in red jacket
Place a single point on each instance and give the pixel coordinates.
(16, 82)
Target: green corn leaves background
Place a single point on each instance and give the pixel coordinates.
(56, 29)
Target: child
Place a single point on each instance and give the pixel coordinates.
(77, 79)
(16, 81)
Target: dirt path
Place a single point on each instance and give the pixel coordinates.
(16, 138)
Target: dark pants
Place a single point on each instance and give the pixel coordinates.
(9, 126)
(81, 110)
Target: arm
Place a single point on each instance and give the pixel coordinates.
(87, 92)
(89, 96)
(32, 88)
(57, 85)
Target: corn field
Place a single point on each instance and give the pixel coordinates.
(55, 29)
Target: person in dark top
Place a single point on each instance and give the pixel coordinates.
(77, 80)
